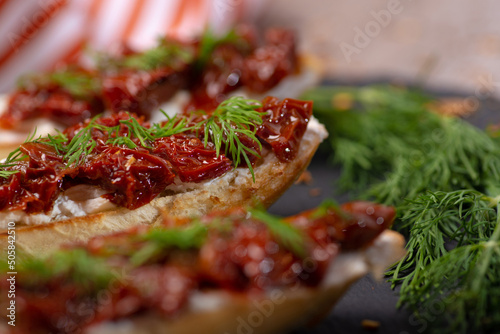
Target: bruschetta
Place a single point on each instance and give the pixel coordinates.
(236, 271)
(110, 173)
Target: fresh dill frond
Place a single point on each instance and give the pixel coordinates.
(79, 83)
(160, 240)
(209, 41)
(392, 147)
(443, 174)
(434, 219)
(10, 161)
(453, 257)
(80, 146)
(174, 125)
(289, 236)
(166, 53)
(89, 272)
(138, 131)
(233, 118)
(6, 173)
(14, 157)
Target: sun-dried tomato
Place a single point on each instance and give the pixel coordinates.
(132, 177)
(271, 62)
(192, 161)
(54, 103)
(141, 92)
(284, 125)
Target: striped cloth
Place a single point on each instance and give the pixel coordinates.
(38, 34)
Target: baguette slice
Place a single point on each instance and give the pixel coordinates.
(235, 188)
(203, 279)
(280, 310)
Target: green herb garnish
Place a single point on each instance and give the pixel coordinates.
(443, 174)
(209, 41)
(391, 147)
(289, 236)
(78, 83)
(14, 157)
(165, 54)
(160, 240)
(463, 278)
(233, 118)
(88, 271)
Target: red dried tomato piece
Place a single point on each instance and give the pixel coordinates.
(284, 125)
(10, 191)
(367, 221)
(354, 226)
(249, 257)
(140, 92)
(53, 103)
(101, 136)
(36, 184)
(220, 76)
(192, 161)
(51, 311)
(165, 288)
(270, 63)
(42, 155)
(133, 177)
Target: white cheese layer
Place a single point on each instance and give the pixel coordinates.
(80, 200)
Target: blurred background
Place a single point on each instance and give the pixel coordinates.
(451, 44)
(448, 43)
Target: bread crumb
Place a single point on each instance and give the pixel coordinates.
(371, 325)
(315, 192)
(305, 178)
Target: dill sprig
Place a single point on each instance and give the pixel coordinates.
(174, 125)
(6, 173)
(453, 259)
(289, 236)
(209, 41)
(392, 147)
(233, 118)
(13, 158)
(82, 144)
(165, 54)
(79, 83)
(443, 175)
(160, 240)
(88, 271)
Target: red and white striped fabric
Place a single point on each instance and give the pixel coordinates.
(37, 34)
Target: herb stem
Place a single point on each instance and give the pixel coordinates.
(489, 246)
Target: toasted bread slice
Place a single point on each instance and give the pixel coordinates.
(235, 188)
(281, 309)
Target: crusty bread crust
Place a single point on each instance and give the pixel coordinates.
(279, 310)
(235, 188)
